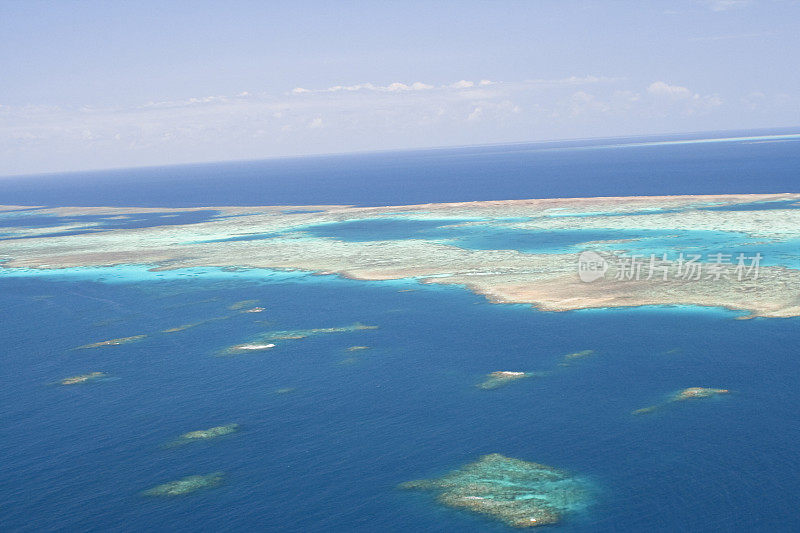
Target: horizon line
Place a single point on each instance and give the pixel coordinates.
(703, 140)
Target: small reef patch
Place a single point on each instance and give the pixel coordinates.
(570, 358)
(518, 493)
(502, 377)
(303, 333)
(357, 348)
(689, 393)
(578, 355)
(178, 328)
(186, 485)
(83, 378)
(112, 342)
(248, 347)
(697, 392)
(206, 434)
(236, 306)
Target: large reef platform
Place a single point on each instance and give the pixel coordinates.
(519, 493)
(278, 237)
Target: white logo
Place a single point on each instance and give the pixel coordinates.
(591, 266)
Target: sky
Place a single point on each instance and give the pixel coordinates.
(109, 84)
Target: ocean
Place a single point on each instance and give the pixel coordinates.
(326, 434)
(762, 162)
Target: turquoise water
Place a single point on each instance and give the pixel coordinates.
(488, 237)
(328, 455)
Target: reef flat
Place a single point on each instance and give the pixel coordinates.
(277, 237)
(186, 485)
(518, 493)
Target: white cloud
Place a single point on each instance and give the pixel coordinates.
(689, 102)
(726, 5)
(660, 88)
(583, 102)
(392, 87)
(463, 84)
(571, 81)
(365, 116)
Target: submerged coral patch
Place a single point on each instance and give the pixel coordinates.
(205, 434)
(112, 342)
(578, 355)
(186, 485)
(689, 393)
(697, 392)
(83, 378)
(303, 333)
(236, 306)
(518, 493)
(178, 328)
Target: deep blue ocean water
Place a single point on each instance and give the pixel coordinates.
(328, 455)
(605, 167)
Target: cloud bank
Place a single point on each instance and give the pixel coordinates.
(360, 116)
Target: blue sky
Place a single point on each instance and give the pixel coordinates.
(87, 85)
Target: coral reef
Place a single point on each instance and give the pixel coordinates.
(546, 280)
(518, 493)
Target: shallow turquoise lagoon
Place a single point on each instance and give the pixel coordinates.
(482, 236)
